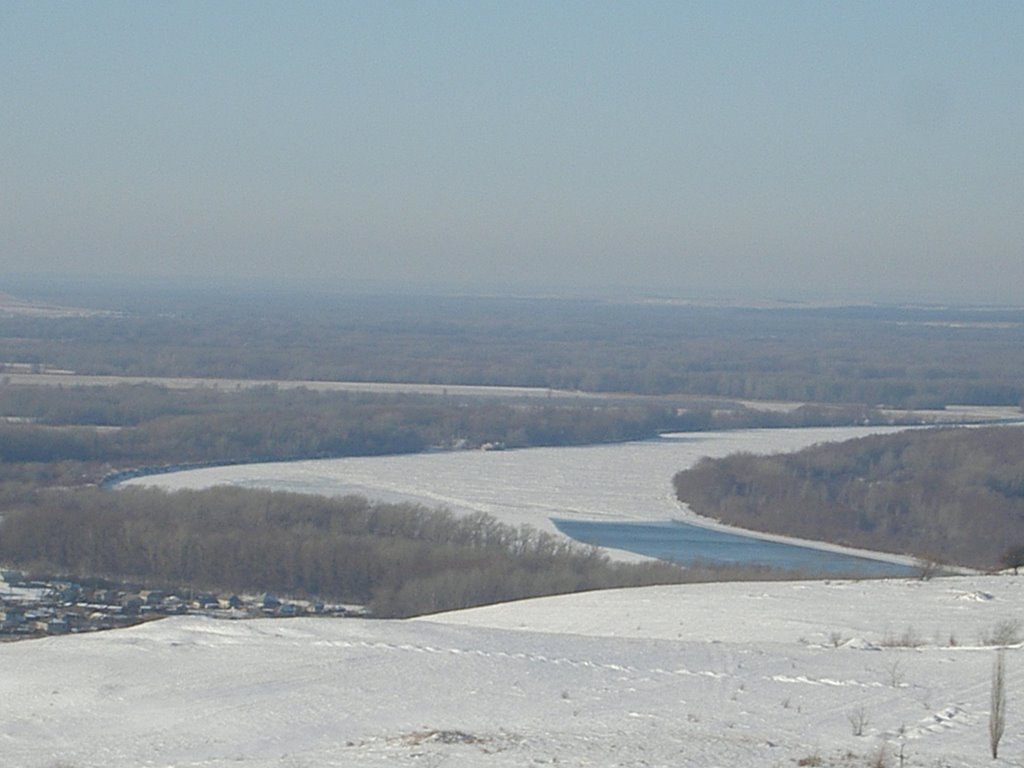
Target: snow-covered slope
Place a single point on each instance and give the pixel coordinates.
(745, 675)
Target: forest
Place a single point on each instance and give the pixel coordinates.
(659, 367)
(950, 495)
(78, 435)
(397, 560)
(103, 429)
(900, 357)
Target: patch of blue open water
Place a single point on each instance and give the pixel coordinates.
(692, 544)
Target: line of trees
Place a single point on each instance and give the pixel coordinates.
(398, 559)
(953, 495)
(898, 357)
(71, 435)
(95, 429)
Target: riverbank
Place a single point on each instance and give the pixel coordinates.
(626, 482)
(692, 545)
(689, 517)
(621, 482)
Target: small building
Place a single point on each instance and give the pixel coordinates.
(268, 602)
(173, 604)
(12, 617)
(66, 592)
(58, 626)
(104, 596)
(152, 596)
(131, 604)
(204, 602)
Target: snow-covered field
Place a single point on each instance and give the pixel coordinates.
(732, 675)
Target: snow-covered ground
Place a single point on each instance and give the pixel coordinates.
(733, 675)
(746, 675)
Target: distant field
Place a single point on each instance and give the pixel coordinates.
(66, 379)
(959, 414)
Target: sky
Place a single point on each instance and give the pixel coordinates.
(725, 150)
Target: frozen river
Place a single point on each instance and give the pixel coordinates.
(691, 544)
(610, 483)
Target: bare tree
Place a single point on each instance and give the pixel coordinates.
(858, 720)
(895, 673)
(997, 712)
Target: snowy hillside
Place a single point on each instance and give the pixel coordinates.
(765, 674)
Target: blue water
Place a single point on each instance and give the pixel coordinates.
(691, 544)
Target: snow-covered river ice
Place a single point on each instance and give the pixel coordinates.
(618, 483)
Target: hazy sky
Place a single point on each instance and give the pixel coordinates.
(732, 150)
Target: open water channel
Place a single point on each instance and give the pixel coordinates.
(617, 496)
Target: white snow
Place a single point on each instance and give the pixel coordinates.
(733, 675)
(622, 481)
(738, 675)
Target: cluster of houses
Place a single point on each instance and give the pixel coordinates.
(37, 607)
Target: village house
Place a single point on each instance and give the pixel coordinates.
(228, 602)
(205, 602)
(12, 617)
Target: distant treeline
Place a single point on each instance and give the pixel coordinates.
(127, 426)
(71, 435)
(399, 560)
(954, 495)
(899, 357)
